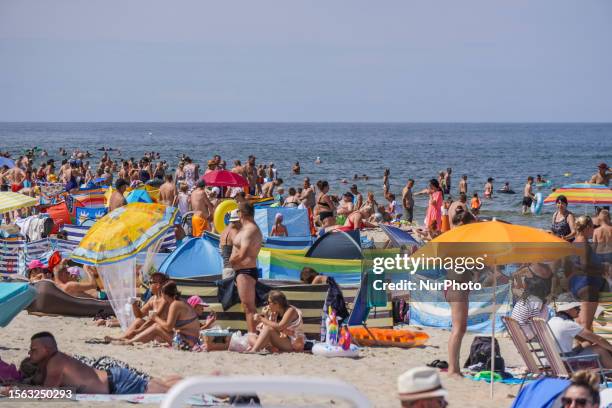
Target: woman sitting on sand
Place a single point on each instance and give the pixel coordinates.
(182, 319)
(358, 219)
(281, 328)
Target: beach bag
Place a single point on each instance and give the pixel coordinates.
(480, 353)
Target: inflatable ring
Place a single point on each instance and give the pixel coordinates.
(536, 204)
(327, 350)
(221, 217)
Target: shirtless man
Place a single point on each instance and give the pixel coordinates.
(456, 206)
(602, 176)
(463, 185)
(63, 280)
(602, 238)
(238, 168)
(268, 188)
(243, 260)
(346, 206)
(528, 195)
(447, 180)
(408, 200)
(15, 177)
(308, 194)
(167, 192)
(250, 173)
(117, 199)
(202, 209)
(61, 370)
(296, 168)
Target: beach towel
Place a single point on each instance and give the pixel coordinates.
(8, 372)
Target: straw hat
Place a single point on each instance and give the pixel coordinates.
(234, 216)
(420, 383)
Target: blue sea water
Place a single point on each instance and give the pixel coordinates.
(507, 152)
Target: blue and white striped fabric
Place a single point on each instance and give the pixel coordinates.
(15, 254)
(429, 308)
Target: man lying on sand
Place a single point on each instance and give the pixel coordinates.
(56, 369)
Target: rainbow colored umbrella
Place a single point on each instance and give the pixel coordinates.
(124, 233)
(582, 193)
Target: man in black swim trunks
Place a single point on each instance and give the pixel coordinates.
(528, 195)
(247, 244)
(61, 370)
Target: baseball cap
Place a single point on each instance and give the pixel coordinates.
(195, 301)
(35, 263)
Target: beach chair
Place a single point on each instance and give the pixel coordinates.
(530, 351)
(245, 385)
(563, 366)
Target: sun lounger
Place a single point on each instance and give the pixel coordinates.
(563, 366)
(51, 300)
(244, 385)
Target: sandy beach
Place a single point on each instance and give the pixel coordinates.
(375, 373)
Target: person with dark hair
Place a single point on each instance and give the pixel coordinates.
(325, 206)
(434, 207)
(243, 260)
(281, 326)
(292, 200)
(117, 198)
(346, 206)
(57, 369)
(202, 209)
(563, 220)
(488, 188)
(182, 322)
(583, 391)
(528, 195)
(408, 201)
(335, 298)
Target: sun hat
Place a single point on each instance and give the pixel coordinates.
(195, 301)
(234, 216)
(420, 383)
(566, 301)
(565, 306)
(35, 263)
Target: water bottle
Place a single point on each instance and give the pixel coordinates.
(176, 341)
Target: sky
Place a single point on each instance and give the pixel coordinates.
(287, 61)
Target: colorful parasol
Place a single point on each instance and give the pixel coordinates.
(10, 201)
(224, 178)
(124, 233)
(582, 193)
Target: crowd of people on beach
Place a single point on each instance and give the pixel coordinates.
(165, 318)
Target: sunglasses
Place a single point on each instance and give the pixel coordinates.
(578, 402)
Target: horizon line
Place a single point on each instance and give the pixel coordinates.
(320, 122)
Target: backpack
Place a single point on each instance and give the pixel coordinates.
(480, 353)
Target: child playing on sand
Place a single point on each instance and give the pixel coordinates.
(475, 204)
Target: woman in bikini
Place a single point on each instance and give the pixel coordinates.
(563, 220)
(359, 219)
(182, 320)
(325, 206)
(281, 329)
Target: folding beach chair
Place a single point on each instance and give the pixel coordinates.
(530, 351)
(244, 385)
(560, 365)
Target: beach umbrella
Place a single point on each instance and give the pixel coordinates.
(5, 161)
(498, 243)
(582, 193)
(10, 201)
(124, 233)
(224, 178)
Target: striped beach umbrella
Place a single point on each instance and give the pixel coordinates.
(582, 193)
(124, 233)
(10, 201)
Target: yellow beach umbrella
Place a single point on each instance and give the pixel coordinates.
(10, 201)
(124, 233)
(498, 243)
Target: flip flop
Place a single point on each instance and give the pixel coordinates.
(433, 363)
(441, 364)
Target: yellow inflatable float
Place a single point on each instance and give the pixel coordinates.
(221, 215)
